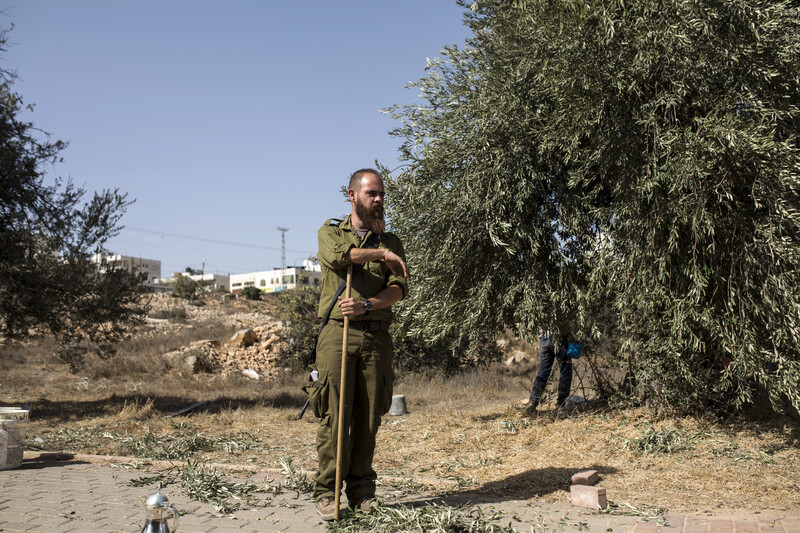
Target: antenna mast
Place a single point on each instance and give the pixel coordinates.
(283, 246)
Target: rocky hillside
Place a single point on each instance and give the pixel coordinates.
(255, 350)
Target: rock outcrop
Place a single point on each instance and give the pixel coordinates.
(257, 349)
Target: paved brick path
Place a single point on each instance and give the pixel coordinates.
(81, 495)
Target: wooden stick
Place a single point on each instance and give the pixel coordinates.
(342, 393)
(184, 410)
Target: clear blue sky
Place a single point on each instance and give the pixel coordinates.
(223, 119)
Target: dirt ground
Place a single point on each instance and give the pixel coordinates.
(467, 434)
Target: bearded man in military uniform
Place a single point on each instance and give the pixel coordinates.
(379, 280)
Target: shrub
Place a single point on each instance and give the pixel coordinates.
(185, 287)
(298, 309)
(204, 362)
(250, 293)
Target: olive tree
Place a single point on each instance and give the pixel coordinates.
(47, 234)
(625, 168)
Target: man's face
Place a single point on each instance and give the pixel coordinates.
(368, 202)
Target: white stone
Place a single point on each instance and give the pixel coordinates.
(250, 373)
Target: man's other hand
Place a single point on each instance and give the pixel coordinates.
(396, 264)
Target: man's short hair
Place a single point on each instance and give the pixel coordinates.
(355, 178)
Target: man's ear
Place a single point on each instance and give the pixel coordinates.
(351, 193)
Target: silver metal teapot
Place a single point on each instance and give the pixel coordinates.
(159, 511)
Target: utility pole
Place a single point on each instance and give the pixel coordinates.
(283, 247)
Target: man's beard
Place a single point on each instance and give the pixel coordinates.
(374, 221)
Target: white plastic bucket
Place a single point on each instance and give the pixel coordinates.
(11, 442)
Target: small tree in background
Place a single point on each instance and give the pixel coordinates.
(625, 168)
(185, 287)
(46, 237)
(251, 293)
(298, 309)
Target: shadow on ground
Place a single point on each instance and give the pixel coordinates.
(46, 460)
(165, 405)
(522, 486)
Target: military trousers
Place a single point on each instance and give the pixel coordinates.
(368, 396)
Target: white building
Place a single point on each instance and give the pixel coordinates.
(312, 266)
(213, 281)
(149, 267)
(276, 280)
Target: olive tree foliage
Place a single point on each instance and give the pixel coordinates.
(46, 236)
(188, 288)
(615, 168)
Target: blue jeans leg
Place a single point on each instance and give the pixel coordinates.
(546, 357)
(547, 354)
(565, 378)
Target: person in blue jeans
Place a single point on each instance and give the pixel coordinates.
(552, 347)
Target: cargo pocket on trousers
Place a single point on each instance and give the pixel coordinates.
(318, 396)
(388, 388)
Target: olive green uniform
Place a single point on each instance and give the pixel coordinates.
(370, 376)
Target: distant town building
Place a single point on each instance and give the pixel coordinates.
(150, 267)
(312, 266)
(277, 279)
(212, 281)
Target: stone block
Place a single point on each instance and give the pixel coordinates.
(585, 477)
(174, 357)
(190, 362)
(747, 526)
(243, 338)
(206, 343)
(719, 525)
(250, 373)
(588, 496)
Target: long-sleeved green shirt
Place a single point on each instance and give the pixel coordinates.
(335, 240)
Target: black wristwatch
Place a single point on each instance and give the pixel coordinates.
(367, 306)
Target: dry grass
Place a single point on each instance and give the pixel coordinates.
(738, 463)
(465, 436)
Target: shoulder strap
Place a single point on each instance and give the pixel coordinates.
(372, 242)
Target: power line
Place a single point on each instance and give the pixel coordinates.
(120, 245)
(201, 239)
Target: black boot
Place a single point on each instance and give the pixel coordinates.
(533, 403)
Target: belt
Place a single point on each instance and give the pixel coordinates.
(364, 325)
